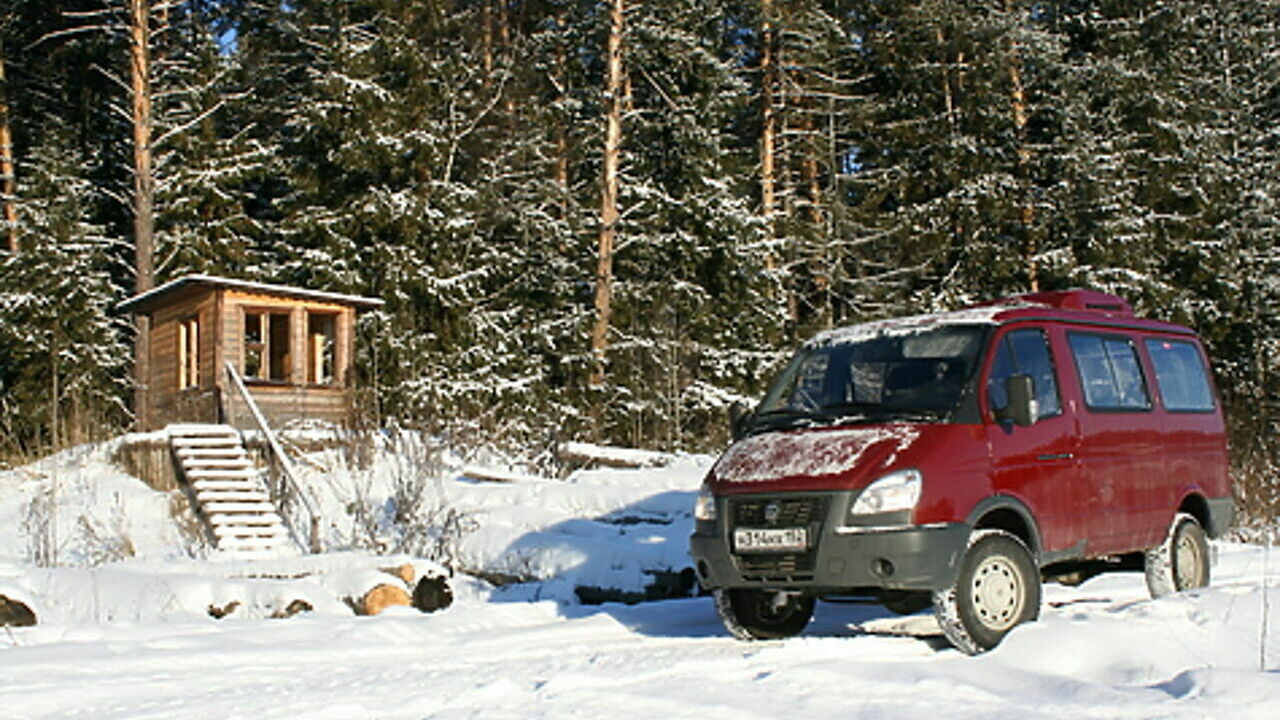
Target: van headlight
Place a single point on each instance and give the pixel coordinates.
(705, 507)
(896, 491)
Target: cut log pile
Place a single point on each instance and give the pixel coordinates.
(429, 593)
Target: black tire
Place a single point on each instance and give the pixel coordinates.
(905, 602)
(1181, 562)
(763, 614)
(997, 588)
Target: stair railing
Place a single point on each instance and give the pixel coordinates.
(287, 487)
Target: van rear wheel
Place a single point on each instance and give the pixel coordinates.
(996, 589)
(763, 614)
(1181, 562)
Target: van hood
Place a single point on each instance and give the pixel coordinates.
(809, 459)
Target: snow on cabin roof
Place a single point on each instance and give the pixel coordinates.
(147, 301)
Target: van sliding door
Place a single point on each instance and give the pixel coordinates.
(1120, 450)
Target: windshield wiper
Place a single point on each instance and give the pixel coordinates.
(778, 419)
(863, 410)
(914, 413)
(849, 407)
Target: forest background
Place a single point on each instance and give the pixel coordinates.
(613, 219)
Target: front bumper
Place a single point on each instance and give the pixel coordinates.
(878, 553)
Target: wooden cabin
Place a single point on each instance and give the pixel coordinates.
(293, 348)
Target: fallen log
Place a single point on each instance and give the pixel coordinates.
(405, 572)
(382, 597)
(432, 594)
(15, 613)
(590, 455)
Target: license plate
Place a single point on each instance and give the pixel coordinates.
(770, 539)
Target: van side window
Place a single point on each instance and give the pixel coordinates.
(1180, 375)
(1109, 372)
(1024, 352)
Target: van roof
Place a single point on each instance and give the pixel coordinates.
(1085, 307)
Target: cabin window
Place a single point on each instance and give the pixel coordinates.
(266, 346)
(320, 348)
(189, 353)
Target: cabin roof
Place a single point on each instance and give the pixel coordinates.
(148, 301)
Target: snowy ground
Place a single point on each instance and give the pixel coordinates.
(132, 638)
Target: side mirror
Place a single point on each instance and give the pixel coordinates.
(1021, 391)
(739, 420)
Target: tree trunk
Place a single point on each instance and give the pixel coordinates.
(143, 195)
(947, 97)
(8, 180)
(809, 170)
(561, 171)
(1018, 106)
(614, 83)
(768, 126)
(486, 33)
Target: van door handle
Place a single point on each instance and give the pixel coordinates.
(1056, 456)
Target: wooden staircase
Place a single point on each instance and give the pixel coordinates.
(228, 492)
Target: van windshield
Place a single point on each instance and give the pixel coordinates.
(917, 376)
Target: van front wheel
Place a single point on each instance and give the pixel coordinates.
(763, 614)
(996, 589)
(1181, 562)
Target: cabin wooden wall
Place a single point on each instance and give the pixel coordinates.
(168, 403)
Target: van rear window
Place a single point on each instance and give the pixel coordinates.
(1110, 374)
(1181, 376)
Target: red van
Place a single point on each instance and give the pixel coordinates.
(957, 459)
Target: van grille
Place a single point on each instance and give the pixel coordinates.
(793, 566)
(792, 512)
(808, 512)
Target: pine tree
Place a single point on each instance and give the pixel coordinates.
(208, 157)
(63, 357)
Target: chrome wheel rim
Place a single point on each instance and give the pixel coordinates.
(1187, 562)
(997, 593)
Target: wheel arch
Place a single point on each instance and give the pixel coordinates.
(1194, 504)
(1002, 512)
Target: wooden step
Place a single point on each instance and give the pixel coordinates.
(276, 530)
(205, 442)
(261, 506)
(200, 473)
(260, 532)
(239, 495)
(212, 452)
(245, 520)
(228, 463)
(227, 484)
(249, 543)
(230, 491)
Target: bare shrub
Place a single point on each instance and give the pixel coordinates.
(414, 516)
(40, 528)
(1255, 471)
(108, 541)
(424, 522)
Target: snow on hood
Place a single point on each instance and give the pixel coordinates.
(817, 453)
